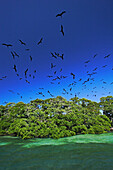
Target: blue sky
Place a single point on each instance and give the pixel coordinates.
(88, 30)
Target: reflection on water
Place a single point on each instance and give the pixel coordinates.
(77, 152)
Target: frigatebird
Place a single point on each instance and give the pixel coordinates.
(26, 72)
(16, 54)
(61, 56)
(53, 55)
(7, 45)
(73, 75)
(11, 91)
(64, 77)
(107, 56)
(15, 68)
(62, 30)
(104, 66)
(87, 61)
(4, 76)
(22, 42)
(52, 65)
(49, 76)
(60, 15)
(27, 81)
(30, 58)
(40, 41)
(13, 55)
(94, 55)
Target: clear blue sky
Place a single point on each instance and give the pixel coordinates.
(88, 30)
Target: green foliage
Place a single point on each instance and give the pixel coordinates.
(55, 118)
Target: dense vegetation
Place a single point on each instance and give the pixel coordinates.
(56, 117)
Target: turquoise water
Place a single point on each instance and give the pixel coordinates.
(79, 152)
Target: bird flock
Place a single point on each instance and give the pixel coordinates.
(57, 74)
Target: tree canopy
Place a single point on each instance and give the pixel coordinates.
(56, 117)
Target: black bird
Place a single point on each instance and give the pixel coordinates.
(27, 49)
(54, 79)
(94, 69)
(104, 66)
(70, 89)
(62, 30)
(4, 102)
(16, 54)
(51, 95)
(7, 45)
(22, 42)
(39, 92)
(87, 61)
(15, 68)
(11, 91)
(13, 55)
(60, 15)
(73, 75)
(58, 77)
(52, 65)
(27, 81)
(30, 58)
(1, 79)
(34, 71)
(26, 72)
(49, 76)
(54, 72)
(4, 76)
(64, 89)
(61, 56)
(53, 55)
(57, 54)
(64, 77)
(107, 56)
(60, 69)
(40, 41)
(17, 74)
(94, 55)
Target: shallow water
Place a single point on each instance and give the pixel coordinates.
(79, 152)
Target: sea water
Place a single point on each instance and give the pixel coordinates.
(80, 152)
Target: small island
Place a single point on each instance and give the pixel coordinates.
(56, 117)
